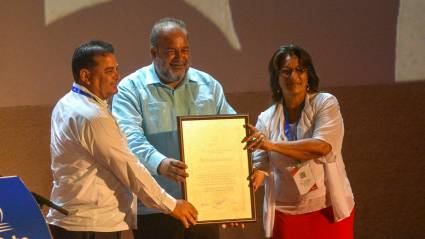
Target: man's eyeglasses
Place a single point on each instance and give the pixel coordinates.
(287, 72)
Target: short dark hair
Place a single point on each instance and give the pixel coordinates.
(84, 55)
(276, 63)
(162, 23)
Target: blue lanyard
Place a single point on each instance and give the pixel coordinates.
(79, 91)
(289, 135)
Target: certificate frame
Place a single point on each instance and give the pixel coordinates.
(218, 167)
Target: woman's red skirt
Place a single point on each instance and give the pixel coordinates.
(317, 225)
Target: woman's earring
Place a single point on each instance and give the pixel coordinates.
(308, 88)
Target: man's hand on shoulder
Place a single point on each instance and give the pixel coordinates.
(185, 212)
(173, 169)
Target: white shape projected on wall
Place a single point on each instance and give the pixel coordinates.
(410, 46)
(54, 10)
(217, 11)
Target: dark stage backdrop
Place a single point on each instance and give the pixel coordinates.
(352, 42)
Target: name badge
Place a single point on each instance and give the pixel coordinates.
(304, 179)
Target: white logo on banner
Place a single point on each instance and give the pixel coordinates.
(4, 226)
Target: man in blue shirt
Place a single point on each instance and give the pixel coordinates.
(146, 107)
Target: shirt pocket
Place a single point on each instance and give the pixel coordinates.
(204, 106)
(286, 189)
(159, 117)
(318, 172)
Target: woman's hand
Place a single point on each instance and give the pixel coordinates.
(303, 149)
(257, 179)
(256, 139)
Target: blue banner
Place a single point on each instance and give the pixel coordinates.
(20, 216)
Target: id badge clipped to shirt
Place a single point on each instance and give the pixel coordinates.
(304, 179)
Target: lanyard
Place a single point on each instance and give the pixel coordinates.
(79, 91)
(288, 134)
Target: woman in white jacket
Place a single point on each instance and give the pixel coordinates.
(297, 151)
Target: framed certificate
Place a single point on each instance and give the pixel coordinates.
(218, 167)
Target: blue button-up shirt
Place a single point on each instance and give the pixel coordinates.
(146, 111)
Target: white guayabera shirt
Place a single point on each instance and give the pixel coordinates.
(94, 173)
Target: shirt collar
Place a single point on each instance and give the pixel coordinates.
(99, 100)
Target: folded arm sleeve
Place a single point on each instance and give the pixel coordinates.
(109, 148)
(328, 125)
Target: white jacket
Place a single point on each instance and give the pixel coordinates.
(320, 119)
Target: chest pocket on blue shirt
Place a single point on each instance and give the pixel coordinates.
(158, 117)
(203, 106)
